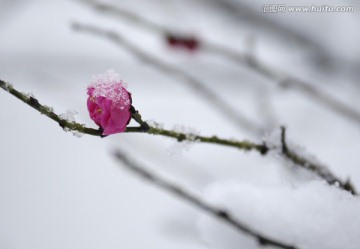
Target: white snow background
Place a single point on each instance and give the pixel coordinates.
(59, 191)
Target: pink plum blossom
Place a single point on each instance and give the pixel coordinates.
(109, 102)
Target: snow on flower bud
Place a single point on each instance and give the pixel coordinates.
(109, 102)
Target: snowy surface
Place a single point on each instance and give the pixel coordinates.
(312, 215)
(61, 191)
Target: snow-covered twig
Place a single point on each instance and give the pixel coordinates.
(197, 85)
(256, 65)
(48, 111)
(321, 171)
(261, 148)
(191, 198)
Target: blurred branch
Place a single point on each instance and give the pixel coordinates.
(287, 80)
(195, 84)
(261, 68)
(256, 17)
(188, 197)
(261, 148)
(122, 13)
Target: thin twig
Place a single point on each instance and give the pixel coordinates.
(188, 197)
(197, 85)
(265, 70)
(261, 148)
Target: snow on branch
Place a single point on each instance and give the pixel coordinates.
(191, 198)
(261, 148)
(48, 111)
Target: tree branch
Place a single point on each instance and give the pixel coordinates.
(188, 197)
(47, 111)
(261, 148)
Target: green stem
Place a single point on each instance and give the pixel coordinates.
(243, 145)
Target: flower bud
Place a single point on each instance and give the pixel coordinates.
(109, 102)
